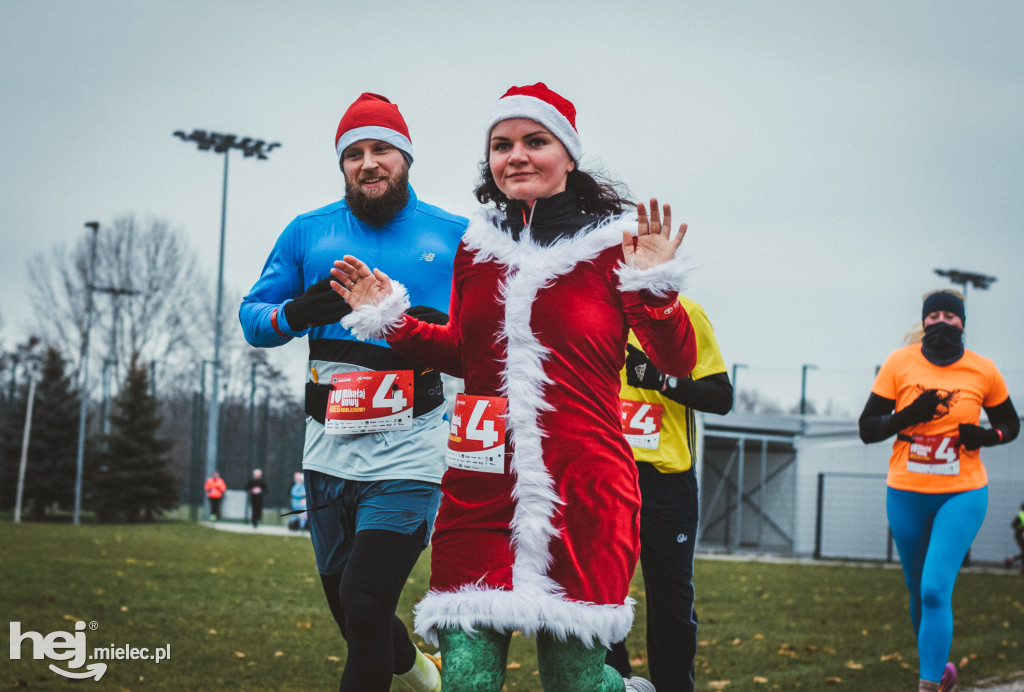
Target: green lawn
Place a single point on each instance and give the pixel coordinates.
(245, 612)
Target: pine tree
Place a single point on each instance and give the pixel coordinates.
(132, 480)
(53, 444)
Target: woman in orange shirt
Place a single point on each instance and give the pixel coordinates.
(930, 395)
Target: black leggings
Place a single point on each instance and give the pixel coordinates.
(363, 599)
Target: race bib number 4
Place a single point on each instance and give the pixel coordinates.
(935, 454)
(641, 423)
(476, 437)
(369, 401)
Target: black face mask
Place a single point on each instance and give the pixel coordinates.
(943, 344)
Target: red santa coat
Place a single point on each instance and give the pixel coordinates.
(553, 542)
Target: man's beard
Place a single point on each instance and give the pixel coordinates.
(378, 211)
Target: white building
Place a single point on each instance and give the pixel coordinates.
(811, 488)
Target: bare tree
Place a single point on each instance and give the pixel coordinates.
(148, 297)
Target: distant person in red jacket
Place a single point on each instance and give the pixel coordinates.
(215, 487)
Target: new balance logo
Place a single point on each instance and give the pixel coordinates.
(427, 257)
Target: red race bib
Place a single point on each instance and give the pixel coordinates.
(936, 454)
(641, 423)
(476, 438)
(369, 401)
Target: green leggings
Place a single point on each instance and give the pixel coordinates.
(476, 663)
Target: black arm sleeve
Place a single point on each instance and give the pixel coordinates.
(712, 394)
(1005, 419)
(876, 420)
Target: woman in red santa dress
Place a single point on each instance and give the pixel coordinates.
(542, 537)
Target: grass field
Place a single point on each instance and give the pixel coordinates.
(245, 612)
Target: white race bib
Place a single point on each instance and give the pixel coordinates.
(641, 423)
(369, 401)
(936, 454)
(476, 438)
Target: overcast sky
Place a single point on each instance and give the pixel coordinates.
(826, 155)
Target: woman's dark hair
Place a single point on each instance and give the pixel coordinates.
(594, 192)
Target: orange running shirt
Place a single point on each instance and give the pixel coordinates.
(934, 462)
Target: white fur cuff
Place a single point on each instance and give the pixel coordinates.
(660, 280)
(369, 322)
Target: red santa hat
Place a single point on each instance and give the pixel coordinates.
(372, 116)
(539, 103)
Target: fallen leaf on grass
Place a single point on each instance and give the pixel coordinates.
(512, 665)
(304, 625)
(719, 684)
(893, 657)
(760, 680)
(239, 654)
(853, 665)
(833, 681)
(278, 653)
(334, 659)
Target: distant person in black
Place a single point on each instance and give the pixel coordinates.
(1018, 535)
(257, 488)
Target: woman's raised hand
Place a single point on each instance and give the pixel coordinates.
(653, 243)
(354, 282)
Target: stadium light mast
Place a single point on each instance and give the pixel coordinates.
(221, 144)
(964, 279)
(83, 369)
(735, 367)
(803, 387)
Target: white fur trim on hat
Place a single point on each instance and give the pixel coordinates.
(376, 321)
(384, 134)
(522, 106)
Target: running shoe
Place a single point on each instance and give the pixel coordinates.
(636, 684)
(948, 681)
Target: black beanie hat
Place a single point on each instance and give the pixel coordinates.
(946, 302)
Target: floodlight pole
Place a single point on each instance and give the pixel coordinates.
(25, 437)
(221, 144)
(963, 278)
(83, 368)
(803, 387)
(735, 367)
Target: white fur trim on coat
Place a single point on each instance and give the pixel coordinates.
(376, 321)
(473, 607)
(660, 279)
(536, 601)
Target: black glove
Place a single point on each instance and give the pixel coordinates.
(640, 371)
(921, 410)
(425, 313)
(318, 306)
(974, 436)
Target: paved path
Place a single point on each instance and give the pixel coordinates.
(263, 530)
(1013, 684)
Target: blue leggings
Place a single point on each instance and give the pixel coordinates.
(933, 534)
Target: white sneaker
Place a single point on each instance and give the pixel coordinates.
(636, 684)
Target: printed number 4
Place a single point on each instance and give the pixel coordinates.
(385, 398)
(484, 433)
(946, 450)
(641, 421)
